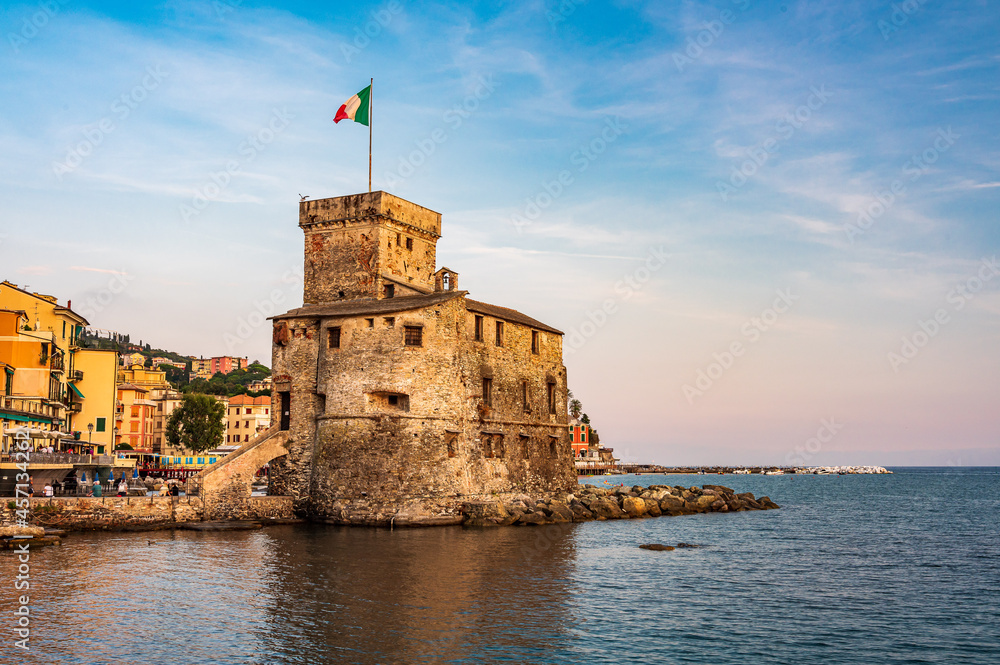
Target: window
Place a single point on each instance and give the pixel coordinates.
(498, 446)
(487, 391)
(101, 424)
(201, 460)
(133, 426)
(188, 460)
(399, 240)
(390, 321)
(64, 330)
(333, 340)
(409, 243)
(247, 410)
(479, 328)
(371, 323)
(393, 400)
(390, 290)
(499, 333)
(246, 437)
(552, 397)
(135, 412)
(552, 447)
(524, 397)
(413, 335)
(487, 445)
(227, 438)
(534, 342)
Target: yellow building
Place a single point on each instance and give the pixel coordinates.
(246, 417)
(95, 370)
(130, 359)
(57, 329)
(26, 380)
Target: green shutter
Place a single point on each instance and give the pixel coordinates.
(100, 424)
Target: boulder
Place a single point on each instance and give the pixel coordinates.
(767, 503)
(607, 509)
(722, 489)
(558, 512)
(669, 504)
(536, 517)
(580, 512)
(15, 530)
(652, 507)
(634, 506)
(656, 547)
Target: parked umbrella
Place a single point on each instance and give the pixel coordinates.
(83, 476)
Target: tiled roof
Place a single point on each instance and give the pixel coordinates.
(363, 306)
(507, 314)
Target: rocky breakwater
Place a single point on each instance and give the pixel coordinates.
(598, 503)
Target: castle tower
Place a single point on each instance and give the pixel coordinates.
(372, 245)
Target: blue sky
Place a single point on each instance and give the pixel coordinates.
(812, 182)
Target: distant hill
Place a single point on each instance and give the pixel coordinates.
(234, 383)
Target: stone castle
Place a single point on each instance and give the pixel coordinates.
(400, 395)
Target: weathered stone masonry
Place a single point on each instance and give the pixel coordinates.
(401, 395)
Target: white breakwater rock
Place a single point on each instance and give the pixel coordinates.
(825, 470)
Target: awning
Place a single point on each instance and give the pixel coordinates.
(76, 390)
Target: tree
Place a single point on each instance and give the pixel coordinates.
(197, 424)
(585, 420)
(575, 407)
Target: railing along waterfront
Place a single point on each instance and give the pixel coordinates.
(61, 458)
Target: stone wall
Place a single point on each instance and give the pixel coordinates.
(226, 485)
(139, 513)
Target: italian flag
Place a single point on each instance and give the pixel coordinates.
(356, 108)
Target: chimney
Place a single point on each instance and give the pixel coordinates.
(69, 304)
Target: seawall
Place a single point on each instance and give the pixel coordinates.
(141, 513)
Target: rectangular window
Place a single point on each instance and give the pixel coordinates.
(413, 336)
(247, 411)
(499, 449)
(409, 243)
(499, 337)
(201, 460)
(487, 445)
(135, 412)
(487, 391)
(333, 337)
(371, 323)
(479, 328)
(101, 424)
(211, 460)
(390, 290)
(552, 397)
(246, 437)
(390, 321)
(133, 426)
(524, 397)
(534, 342)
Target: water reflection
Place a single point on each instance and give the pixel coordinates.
(303, 594)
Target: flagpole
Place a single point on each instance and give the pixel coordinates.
(371, 90)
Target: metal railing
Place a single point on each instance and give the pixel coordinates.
(60, 458)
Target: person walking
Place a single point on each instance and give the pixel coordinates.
(47, 490)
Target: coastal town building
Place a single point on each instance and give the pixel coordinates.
(579, 438)
(73, 386)
(206, 368)
(246, 417)
(259, 385)
(133, 360)
(395, 385)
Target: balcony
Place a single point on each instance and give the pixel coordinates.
(58, 364)
(28, 407)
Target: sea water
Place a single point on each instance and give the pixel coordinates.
(901, 568)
